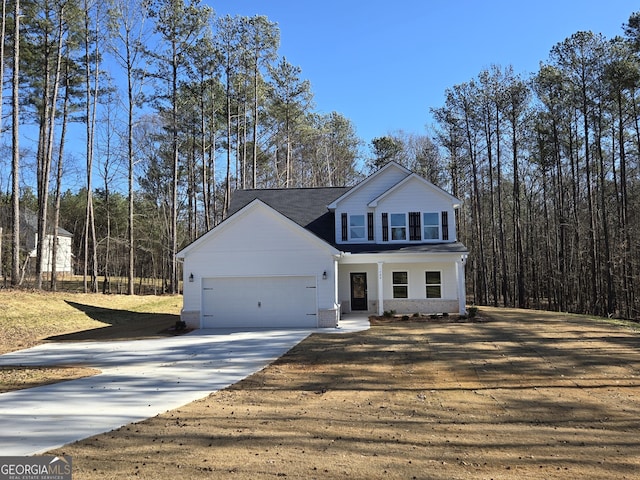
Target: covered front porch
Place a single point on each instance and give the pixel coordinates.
(402, 282)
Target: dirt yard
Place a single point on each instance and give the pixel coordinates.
(513, 395)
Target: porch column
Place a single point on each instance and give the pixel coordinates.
(380, 293)
(336, 297)
(462, 292)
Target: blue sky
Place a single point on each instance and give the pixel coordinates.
(383, 64)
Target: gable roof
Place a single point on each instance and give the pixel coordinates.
(388, 166)
(253, 206)
(305, 206)
(28, 222)
(414, 176)
(313, 209)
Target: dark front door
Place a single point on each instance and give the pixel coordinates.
(359, 291)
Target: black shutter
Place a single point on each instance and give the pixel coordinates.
(344, 227)
(370, 226)
(385, 227)
(414, 226)
(445, 225)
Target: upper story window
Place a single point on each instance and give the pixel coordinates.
(398, 226)
(415, 226)
(357, 227)
(431, 226)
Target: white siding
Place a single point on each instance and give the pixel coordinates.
(412, 196)
(417, 283)
(259, 242)
(356, 202)
(64, 258)
(415, 196)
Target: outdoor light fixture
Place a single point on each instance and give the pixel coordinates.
(324, 275)
(191, 277)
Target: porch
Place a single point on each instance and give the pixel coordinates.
(419, 283)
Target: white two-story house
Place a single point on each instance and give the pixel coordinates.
(302, 257)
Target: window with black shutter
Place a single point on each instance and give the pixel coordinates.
(370, 226)
(344, 227)
(385, 227)
(445, 225)
(414, 226)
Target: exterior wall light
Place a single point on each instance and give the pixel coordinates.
(191, 278)
(324, 275)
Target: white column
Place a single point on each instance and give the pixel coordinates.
(335, 287)
(380, 292)
(462, 292)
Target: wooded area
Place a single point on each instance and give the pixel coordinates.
(548, 168)
(177, 108)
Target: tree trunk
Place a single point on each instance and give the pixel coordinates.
(3, 29)
(174, 193)
(45, 158)
(227, 195)
(254, 182)
(203, 155)
(130, 157)
(58, 193)
(15, 149)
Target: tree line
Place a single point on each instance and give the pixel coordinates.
(176, 108)
(548, 169)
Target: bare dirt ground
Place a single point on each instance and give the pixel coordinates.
(516, 394)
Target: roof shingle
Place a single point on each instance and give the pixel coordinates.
(305, 206)
(308, 208)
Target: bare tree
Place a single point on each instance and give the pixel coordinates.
(131, 34)
(15, 148)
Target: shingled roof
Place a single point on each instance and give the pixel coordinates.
(305, 206)
(308, 208)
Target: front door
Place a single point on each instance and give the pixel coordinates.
(359, 291)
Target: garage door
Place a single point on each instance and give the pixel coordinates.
(263, 302)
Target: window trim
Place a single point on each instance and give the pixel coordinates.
(363, 238)
(404, 227)
(413, 226)
(399, 285)
(427, 285)
(431, 225)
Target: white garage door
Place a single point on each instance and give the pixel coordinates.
(263, 302)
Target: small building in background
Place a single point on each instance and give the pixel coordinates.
(64, 257)
(29, 243)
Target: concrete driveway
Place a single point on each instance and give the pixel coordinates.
(139, 379)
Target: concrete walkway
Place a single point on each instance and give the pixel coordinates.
(139, 379)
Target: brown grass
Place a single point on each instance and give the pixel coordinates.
(515, 395)
(20, 377)
(30, 318)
